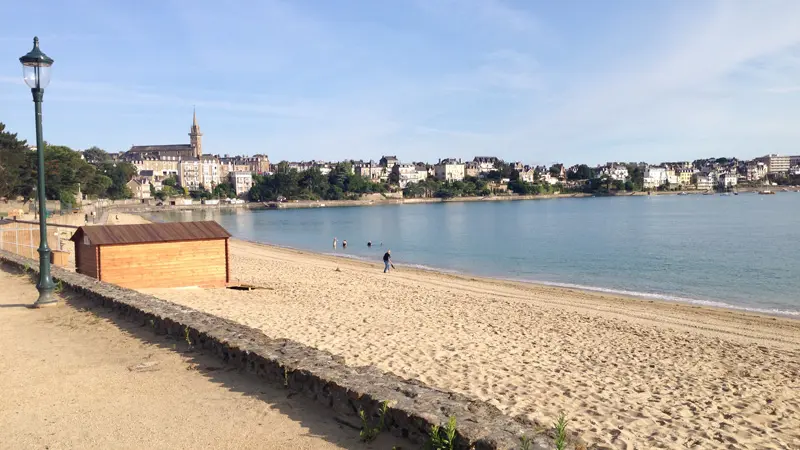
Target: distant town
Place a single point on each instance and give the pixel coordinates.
(194, 171)
(176, 171)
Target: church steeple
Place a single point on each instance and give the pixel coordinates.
(195, 136)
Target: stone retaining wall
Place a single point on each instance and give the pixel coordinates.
(413, 406)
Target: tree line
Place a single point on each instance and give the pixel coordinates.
(340, 184)
(65, 171)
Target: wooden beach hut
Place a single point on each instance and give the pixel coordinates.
(156, 255)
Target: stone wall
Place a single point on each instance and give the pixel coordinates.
(413, 406)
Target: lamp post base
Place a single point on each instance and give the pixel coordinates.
(45, 302)
(45, 286)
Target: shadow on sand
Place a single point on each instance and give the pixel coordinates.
(321, 422)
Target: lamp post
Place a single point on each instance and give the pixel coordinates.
(36, 71)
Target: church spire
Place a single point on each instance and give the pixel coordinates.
(195, 136)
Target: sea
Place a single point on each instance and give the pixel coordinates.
(735, 251)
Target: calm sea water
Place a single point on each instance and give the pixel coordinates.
(737, 251)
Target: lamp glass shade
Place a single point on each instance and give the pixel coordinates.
(36, 67)
(36, 77)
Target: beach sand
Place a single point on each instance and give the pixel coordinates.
(628, 373)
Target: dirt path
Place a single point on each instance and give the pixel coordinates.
(70, 378)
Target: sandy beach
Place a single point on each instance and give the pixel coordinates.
(629, 373)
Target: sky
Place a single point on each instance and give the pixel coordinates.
(572, 81)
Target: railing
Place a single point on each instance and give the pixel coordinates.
(22, 238)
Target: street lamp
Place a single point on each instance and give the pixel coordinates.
(36, 72)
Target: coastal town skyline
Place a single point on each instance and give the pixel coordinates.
(528, 80)
(192, 169)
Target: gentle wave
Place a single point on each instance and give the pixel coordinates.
(636, 294)
(664, 297)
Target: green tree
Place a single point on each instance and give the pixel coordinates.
(224, 190)
(15, 165)
(582, 172)
(394, 175)
(120, 174)
(170, 181)
(65, 172)
(96, 155)
(97, 186)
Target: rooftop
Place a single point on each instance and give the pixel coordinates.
(151, 232)
(160, 148)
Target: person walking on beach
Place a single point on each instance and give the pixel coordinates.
(334, 243)
(344, 244)
(387, 261)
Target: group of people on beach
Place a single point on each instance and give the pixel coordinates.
(387, 257)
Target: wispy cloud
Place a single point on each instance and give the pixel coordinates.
(783, 90)
(525, 80)
(496, 14)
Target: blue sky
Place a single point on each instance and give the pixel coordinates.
(538, 81)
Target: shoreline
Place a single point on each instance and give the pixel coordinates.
(301, 204)
(718, 304)
(566, 288)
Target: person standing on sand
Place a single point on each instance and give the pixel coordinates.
(334, 243)
(387, 261)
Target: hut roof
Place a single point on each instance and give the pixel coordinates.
(151, 232)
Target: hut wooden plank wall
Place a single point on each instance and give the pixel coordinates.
(158, 255)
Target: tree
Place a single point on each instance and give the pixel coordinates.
(170, 181)
(224, 190)
(394, 175)
(581, 172)
(95, 155)
(636, 175)
(521, 187)
(97, 186)
(65, 172)
(120, 174)
(15, 173)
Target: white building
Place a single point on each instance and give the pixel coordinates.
(672, 178)
(241, 182)
(776, 163)
(704, 182)
(655, 177)
(190, 173)
(449, 169)
(371, 171)
(210, 172)
(615, 172)
(756, 171)
(727, 180)
(548, 178)
(410, 174)
(388, 162)
(528, 176)
(485, 164)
